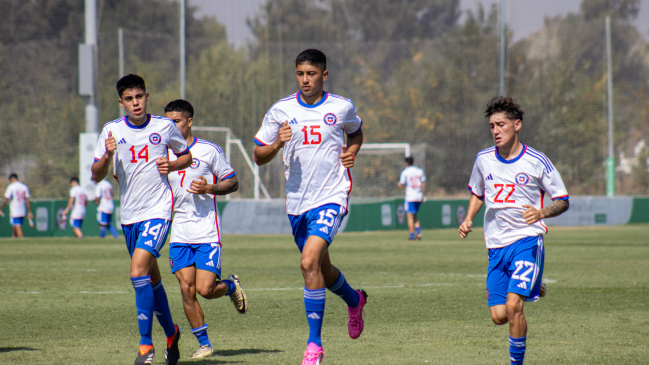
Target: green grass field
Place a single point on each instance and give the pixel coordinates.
(65, 301)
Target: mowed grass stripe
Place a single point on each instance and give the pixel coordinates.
(427, 301)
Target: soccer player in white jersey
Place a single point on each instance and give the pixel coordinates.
(104, 200)
(78, 202)
(137, 146)
(310, 126)
(195, 248)
(414, 181)
(510, 179)
(18, 194)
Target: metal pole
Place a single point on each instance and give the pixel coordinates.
(120, 41)
(92, 114)
(610, 161)
(182, 49)
(228, 151)
(503, 42)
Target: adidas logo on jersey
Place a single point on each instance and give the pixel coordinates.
(210, 264)
(142, 317)
(522, 285)
(121, 141)
(149, 243)
(314, 315)
(324, 230)
(293, 121)
(489, 177)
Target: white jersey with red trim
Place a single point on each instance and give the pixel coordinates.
(507, 185)
(412, 177)
(104, 192)
(196, 216)
(314, 173)
(80, 199)
(143, 192)
(17, 192)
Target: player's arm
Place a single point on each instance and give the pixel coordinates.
(100, 167)
(223, 187)
(557, 207)
(264, 154)
(423, 191)
(165, 166)
(2, 206)
(350, 151)
(67, 209)
(29, 209)
(475, 204)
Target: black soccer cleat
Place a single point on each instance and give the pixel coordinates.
(145, 358)
(172, 354)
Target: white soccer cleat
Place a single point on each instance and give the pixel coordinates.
(239, 297)
(203, 352)
(543, 290)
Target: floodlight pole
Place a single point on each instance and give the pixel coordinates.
(610, 161)
(120, 42)
(182, 49)
(92, 114)
(503, 42)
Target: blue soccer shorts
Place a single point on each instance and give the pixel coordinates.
(17, 221)
(517, 268)
(76, 223)
(104, 219)
(149, 235)
(412, 207)
(206, 256)
(322, 221)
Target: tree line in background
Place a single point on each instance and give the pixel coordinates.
(415, 72)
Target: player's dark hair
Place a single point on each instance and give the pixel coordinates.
(312, 57)
(409, 160)
(181, 106)
(74, 179)
(13, 176)
(504, 104)
(130, 81)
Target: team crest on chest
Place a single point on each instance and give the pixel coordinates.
(155, 138)
(330, 119)
(522, 178)
(195, 163)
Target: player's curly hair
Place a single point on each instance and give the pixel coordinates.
(504, 104)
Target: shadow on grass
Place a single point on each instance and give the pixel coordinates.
(214, 360)
(11, 349)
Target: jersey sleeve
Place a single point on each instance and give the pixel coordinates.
(8, 193)
(72, 194)
(552, 183)
(269, 130)
(402, 178)
(423, 177)
(476, 182)
(353, 122)
(101, 144)
(98, 192)
(177, 143)
(27, 196)
(220, 167)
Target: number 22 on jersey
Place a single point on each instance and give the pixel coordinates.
(504, 187)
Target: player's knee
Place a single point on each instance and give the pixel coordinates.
(204, 290)
(513, 308)
(309, 265)
(188, 290)
(499, 319)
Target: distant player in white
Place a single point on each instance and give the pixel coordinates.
(106, 207)
(18, 194)
(137, 145)
(195, 248)
(78, 202)
(414, 181)
(510, 179)
(311, 126)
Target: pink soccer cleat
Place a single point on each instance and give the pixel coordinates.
(356, 324)
(313, 354)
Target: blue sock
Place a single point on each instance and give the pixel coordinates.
(161, 309)
(418, 230)
(144, 304)
(517, 350)
(113, 231)
(343, 290)
(314, 303)
(102, 231)
(231, 286)
(201, 335)
(412, 236)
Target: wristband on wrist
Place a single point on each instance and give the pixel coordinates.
(174, 166)
(353, 155)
